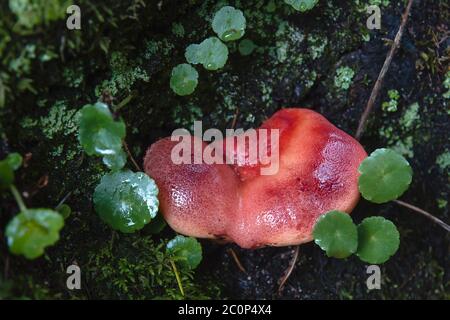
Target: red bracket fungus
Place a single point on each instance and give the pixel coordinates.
(318, 172)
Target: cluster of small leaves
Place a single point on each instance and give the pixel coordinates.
(211, 53)
(31, 230)
(229, 24)
(343, 78)
(374, 240)
(384, 176)
(447, 85)
(391, 105)
(125, 200)
(302, 5)
(31, 13)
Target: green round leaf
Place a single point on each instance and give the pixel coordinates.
(302, 5)
(193, 54)
(184, 79)
(115, 161)
(385, 175)
(378, 240)
(214, 53)
(64, 210)
(99, 133)
(30, 232)
(6, 175)
(186, 251)
(229, 23)
(336, 234)
(246, 47)
(126, 200)
(14, 160)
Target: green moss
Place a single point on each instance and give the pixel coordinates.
(31, 13)
(446, 84)
(184, 116)
(442, 203)
(443, 160)
(73, 77)
(154, 48)
(405, 147)
(411, 116)
(137, 267)
(316, 45)
(391, 105)
(343, 78)
(59, 121)
(124, 74)
(178, 29)
(288, 39)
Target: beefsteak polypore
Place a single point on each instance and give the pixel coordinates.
(318, 172)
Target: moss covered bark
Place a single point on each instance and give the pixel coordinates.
(325, 59)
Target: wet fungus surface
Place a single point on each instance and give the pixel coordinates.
(318, 172)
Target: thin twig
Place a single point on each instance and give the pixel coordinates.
(387, 63)
(373, 97)
(127, 150)
(236, 114)
(63, 200)
(289, 270)
(236, 259)
(423, 212)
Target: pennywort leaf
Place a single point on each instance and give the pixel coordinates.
(186, 251)
(99, 133)
(246, 47)
(336, 234)
(193, 54)
(126, 200)
(378, 240)
(214, 53)
(14, 160)
(302, 5)
(385, 175)
(229, 23)
(31, 231)
(184, 79)
(7, 167)
(211, 53)
(6, 175)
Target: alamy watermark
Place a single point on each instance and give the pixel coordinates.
(374, 280)
(374, 20)
(73, 281)
(251, 147)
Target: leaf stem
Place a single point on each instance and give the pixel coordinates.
(177, 275)
(423, 212)
(127, 150)
(18, 198)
